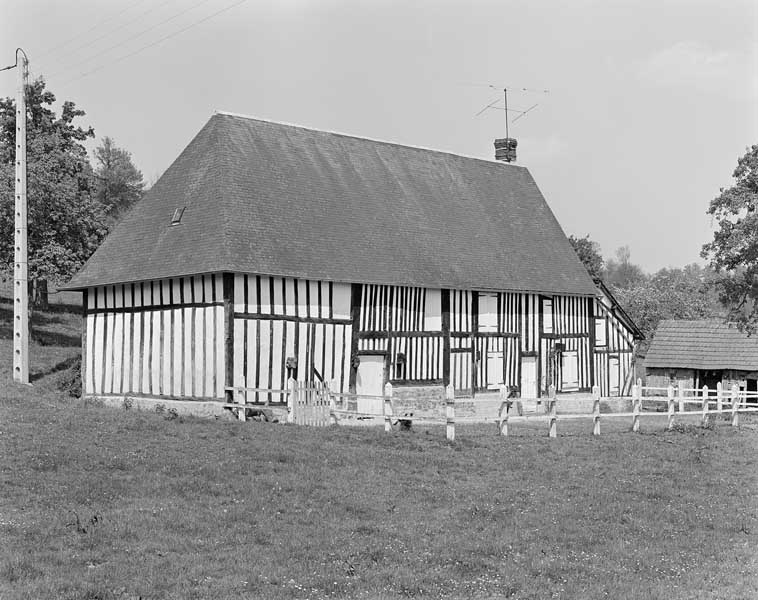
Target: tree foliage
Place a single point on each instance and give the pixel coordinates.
(588, 252)
(66, 223)
(119, 183)
(621, 272)
(733, 253)
(685, 293)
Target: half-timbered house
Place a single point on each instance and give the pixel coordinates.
(267, 251)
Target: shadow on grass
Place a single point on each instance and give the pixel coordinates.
(60, 366)
(44, 338)
(57, 308)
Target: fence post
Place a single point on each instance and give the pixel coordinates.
(553, 410)
(291, 399)
(670, 394)
(596, 410)
(719, 399)
(240, 399)
(332, 405)
(334, 385)
(636, 403)
(680, 392)
(704, 420)
(502, 419)
(735, 405)
(387, 407)
(450, 412)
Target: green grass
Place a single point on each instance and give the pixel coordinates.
(113, 504)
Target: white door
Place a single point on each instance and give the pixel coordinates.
(569, 371)
(613, 372)
(494, 370)
(528, 376)
(369, 381)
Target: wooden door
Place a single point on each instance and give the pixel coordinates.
(529, 377)
(369, 381)
(613, 376)
(570, 371)
(494, 370)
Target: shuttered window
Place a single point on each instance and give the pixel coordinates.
(600, 337)
(547, 316)
(488, 312)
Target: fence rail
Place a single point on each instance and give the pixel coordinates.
(315, 404)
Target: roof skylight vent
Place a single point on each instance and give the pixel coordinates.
(177, 218)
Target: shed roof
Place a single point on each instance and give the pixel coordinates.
(706, 344)
(276, 199)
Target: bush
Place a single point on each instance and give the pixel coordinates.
(70, 379)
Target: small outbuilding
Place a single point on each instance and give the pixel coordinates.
(698, 353)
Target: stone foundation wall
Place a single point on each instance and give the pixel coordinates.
(425, 401)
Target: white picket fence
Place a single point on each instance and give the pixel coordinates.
(316, 405)
(680, 403)
(308, 403)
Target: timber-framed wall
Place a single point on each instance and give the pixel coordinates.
(190, 337)
(160, 338)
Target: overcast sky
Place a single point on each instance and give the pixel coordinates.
(649, 106)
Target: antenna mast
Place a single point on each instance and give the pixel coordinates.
(505, 94)
(505, 148)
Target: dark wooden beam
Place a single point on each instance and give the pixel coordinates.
(591, 317)
(228, 284)
(355, 317)
(445, 305)
(84, 373)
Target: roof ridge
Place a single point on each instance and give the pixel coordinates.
(369, 139)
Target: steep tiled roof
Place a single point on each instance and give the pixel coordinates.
(707, 344)
(276, 199)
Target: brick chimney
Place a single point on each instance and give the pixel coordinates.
(505, 149)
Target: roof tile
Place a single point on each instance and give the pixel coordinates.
(705, 344)
(276, 199)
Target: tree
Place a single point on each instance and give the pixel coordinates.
(621, 272)
(589, 253)
(669, 294)
(733, 253)
(119, 183)
(66, 224)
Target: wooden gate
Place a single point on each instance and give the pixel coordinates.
(310, 404)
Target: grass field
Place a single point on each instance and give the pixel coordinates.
(103, 503)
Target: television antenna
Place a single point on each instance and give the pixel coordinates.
(505, 149)
(504, 108)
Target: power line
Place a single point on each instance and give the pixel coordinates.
(112, 31)
(155, 43)
(135, 36)
(95, 26)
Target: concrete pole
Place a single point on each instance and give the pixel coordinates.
(21, 270)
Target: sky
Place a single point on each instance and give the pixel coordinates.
(648, 104)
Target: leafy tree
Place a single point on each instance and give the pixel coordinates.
(621, 273)
(670, 294)
(588, 252)
(733, 253)
(119, 183)
(66, 224)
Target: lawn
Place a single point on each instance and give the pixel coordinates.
(104, 503)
